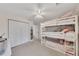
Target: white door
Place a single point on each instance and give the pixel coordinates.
(19, 32)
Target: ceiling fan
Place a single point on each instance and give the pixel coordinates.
(39, 13)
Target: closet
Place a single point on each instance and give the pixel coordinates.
(19, 32)
(61, 35)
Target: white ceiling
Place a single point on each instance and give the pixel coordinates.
(29, 10)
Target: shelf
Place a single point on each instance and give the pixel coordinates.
(55, 40)
(59, 22)
(58, 47)
(70, 53)
(68, 46)
(54, 34)
(66, 21)
(71, 37)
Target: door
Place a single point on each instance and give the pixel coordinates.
(19, 32)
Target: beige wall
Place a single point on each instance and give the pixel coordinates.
(3, 25)
(74, 11)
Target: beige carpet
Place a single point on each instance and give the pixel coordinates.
(34, 48)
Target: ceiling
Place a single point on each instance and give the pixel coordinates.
(31, 11)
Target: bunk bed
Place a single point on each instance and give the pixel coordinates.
(61, 35)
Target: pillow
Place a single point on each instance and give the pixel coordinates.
(66, 30)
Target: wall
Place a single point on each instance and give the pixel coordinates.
(3, 25)
(74, 11)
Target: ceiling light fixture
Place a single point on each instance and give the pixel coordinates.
(38, 14)
(38, 11)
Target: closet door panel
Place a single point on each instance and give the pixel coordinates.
(18, 33)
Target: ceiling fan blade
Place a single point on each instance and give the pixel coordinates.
(45, 17)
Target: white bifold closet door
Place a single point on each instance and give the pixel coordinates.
(19, 32)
